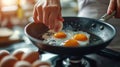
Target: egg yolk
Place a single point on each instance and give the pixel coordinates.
(80, 37)
(60, 35)
(71, 43)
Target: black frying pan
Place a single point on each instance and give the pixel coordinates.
(101, 34)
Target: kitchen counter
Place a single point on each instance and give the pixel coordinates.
(24, 42)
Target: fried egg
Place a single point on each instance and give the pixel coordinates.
(69, 38)
(82, 38)
(71, 43)
(60, 35)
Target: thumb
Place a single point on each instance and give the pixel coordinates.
(58, 26)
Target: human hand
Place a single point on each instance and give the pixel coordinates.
(114, 5)
(48, 12)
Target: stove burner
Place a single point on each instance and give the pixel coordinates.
(64, 61)
(70, 61)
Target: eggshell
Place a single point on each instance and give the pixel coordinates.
(39, 63)
(3, 53)
(8, 61)
(18, 54)
(22, 64)
(31, 56)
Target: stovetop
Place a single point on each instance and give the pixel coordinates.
(104, 58)
(91, 60)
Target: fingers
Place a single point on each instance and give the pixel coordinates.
(111, 6)
(35, 14)
(53, 16)
(46, 12)
(58, 22)
(58, 26)
(114, 6)
(60, 18)
(40, 14)
(118, 9)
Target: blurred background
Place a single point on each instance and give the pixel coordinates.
(18, 12)
(15, 12)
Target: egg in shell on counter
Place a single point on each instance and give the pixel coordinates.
(22, 64)
(18, 54)
(31, 56)
(39, 63)
(20, 58)
(3, 53)
(8, 61)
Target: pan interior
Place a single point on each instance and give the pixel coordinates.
(100, 32)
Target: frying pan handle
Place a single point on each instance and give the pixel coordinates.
(106, 17)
